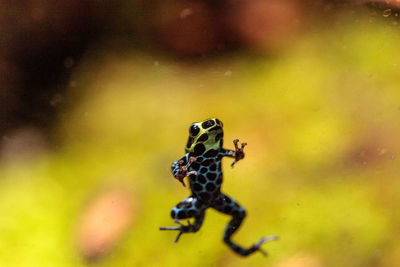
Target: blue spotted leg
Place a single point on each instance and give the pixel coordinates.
(180, 168)
(190, 207)
(227, 205)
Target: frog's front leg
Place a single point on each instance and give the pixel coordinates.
(180, 170)
(238, 153)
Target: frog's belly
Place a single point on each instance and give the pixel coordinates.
(206, 185)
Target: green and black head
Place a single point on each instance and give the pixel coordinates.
(204, 136)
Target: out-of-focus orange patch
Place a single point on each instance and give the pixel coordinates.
(300, 260)
(376, 146)
(187, 27)
(391, 257)
(103, 222)
(268, 25)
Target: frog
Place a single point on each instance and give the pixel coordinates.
(202, 164)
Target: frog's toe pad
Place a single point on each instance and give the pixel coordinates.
(265, 240)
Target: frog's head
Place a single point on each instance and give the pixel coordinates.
(204, 136)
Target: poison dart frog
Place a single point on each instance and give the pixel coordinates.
(202, 164)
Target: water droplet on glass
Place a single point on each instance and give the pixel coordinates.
(55, 100)
(381, 151)
(185, 13)
(387, 12)
(68, 62)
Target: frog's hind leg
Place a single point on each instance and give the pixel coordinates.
(187, 208)
(228, 206)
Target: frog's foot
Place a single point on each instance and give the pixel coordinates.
(257, 246)
(182, 229)
(191, 160)
(239, 154)
(182, 173)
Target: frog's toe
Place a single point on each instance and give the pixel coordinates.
(264, 240)
(170, 228)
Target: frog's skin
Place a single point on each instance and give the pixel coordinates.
(202, 163)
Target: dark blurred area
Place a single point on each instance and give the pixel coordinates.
(42, 41)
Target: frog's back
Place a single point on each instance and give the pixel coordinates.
(205, 144)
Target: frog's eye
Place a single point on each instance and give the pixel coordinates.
(207, 124)
(194, 130)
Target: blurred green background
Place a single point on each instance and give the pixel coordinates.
(94, 110)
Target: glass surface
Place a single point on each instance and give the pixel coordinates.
(96, 99)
